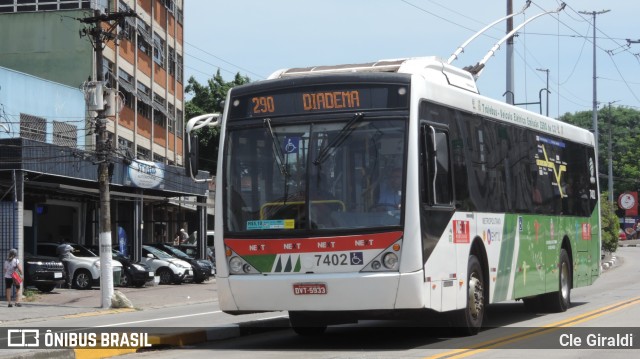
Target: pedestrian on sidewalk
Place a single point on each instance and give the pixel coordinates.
(11, 265)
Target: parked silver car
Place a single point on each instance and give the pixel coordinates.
(82, 265)
(168, 268)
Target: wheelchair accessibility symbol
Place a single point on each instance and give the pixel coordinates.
(356, 258)
(290, 144)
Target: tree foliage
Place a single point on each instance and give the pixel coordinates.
(209, 98)
(621, 124)
(610, 225)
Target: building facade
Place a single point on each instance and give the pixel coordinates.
(48, 171)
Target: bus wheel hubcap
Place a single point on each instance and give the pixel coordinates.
(476, 297)
(564, 280)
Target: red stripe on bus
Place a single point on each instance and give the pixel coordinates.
(311, 245)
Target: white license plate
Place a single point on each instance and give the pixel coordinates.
(309, 288)
(57, 275)
(213, 271)
(150, 274)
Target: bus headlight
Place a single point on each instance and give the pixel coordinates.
(386, 261)
(390, 261)
(236, 265)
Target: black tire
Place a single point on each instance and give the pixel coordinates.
(45, 288)
(82, 279)
(165, 274)
(469, 320)
(560, 301)
(125, 280)
(306, 325)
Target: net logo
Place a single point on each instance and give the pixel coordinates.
(23, 338)
(461, 231)
(586, 231)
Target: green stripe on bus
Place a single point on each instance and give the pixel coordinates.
(506, 257)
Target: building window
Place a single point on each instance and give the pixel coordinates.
(144, 89)
(159, 100)
(144, 109)
(179, 16)
(179, 68)
(108, 69)
(158, 50)
(179, 123)
(33, 127)
(144, 38)
(143, 153)
(159, 118)
(158, 158)
(44, 5)
(171, 118)
(65, 134)
(170, 5)
(124, 76)
(171, 61)
(124, 144)
(128, 98)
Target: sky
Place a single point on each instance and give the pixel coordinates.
(257, 37)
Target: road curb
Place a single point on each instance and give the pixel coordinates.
(189, 336)
(186, 337)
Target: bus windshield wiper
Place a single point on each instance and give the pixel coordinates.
(276, 149)
(339, 139)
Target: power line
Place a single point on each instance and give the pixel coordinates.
(223, 60)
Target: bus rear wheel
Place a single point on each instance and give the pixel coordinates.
(469, 320)
(306, 324)
(561, 300)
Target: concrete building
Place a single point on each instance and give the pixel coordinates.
(48, 189)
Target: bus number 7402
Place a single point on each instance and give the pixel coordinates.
(331, 260)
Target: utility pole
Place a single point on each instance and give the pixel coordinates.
(510, 82)
(99, 35)
(595, 92)
(610, 155)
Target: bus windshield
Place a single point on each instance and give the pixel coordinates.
(324, 175)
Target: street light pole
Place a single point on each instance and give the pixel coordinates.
(595, 94)
(610, 155)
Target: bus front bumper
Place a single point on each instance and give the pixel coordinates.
(344, 292)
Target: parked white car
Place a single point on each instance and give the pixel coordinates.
(168, 268)
(82, 265)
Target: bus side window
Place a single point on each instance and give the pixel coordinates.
(436, 166)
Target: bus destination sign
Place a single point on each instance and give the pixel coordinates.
(322, 99)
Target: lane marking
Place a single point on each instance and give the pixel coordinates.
(158, 319)
(499, 342)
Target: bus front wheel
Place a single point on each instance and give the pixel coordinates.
(469, 320)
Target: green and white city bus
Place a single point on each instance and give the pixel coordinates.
(355, 191)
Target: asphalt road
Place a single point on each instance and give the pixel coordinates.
(611, 305)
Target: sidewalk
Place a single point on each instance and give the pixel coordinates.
(62, 303)
(72, 301)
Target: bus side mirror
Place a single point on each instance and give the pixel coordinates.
(192, 164)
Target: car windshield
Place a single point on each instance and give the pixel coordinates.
(176, 251)
(80, 251)
(158, 253)
(323, 176)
